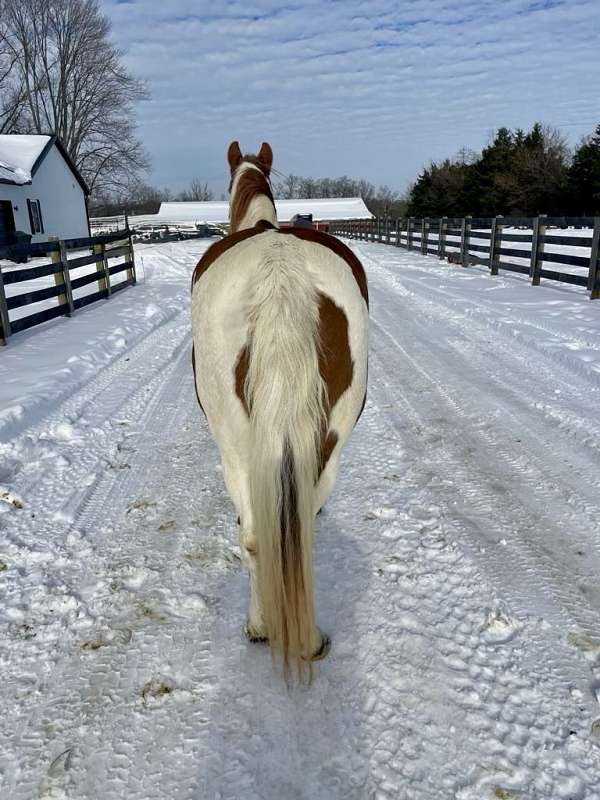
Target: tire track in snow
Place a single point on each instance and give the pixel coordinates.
(58, 506)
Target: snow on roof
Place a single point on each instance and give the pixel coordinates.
(18, 154)
(218, 211)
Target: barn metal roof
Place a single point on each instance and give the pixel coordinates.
(218, 211)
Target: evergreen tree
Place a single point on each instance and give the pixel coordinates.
(584, 177)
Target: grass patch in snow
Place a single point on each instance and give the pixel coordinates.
(141, 505)
(155, 689)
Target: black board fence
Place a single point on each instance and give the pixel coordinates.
(498, 243)
(113, 269)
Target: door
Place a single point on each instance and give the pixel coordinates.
(7, 219)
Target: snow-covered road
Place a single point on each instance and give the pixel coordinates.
(457, 562)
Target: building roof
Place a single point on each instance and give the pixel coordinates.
(218, 211)
(22, 154)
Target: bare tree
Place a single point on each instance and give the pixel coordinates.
(197, 191)
(73, 84)
(12, 93)
(287, 189)
(140, 198)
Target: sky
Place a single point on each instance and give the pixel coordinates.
(368, 88)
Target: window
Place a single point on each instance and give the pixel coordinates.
(35, 216)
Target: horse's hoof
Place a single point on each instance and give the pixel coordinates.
(252, 635)
(323, 650)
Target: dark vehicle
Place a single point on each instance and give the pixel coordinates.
(17, 242)
(302, 221)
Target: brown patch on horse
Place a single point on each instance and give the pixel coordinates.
(251, 183)
(265, 225)
(222, 246)
(335, 365)
(240, 372)
(195, 385)
(335, 359)
(339, 248)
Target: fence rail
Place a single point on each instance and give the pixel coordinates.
(469, 241)
(104, 249)
(109, 224)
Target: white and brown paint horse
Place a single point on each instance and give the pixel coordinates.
(279, 321)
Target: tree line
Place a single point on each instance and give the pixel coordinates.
(518, 174)
(142, 198)
(381, 201)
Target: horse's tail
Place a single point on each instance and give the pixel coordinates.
(286, 398)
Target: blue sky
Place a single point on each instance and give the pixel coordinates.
(367, 88)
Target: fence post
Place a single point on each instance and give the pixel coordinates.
(63, 278)
(594, 277)
(102, 268)
(442, 237)
(4, 317)
(537, 249)
(495, 243)
(131, 271)
(388, 225)
(424, 235)
(398, 226)
(409, 233)
(465, 236)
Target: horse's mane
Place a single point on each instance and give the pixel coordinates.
(252, 182)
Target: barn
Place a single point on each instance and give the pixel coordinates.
(41, 192)
(322, 210)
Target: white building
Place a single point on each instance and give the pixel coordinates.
(41, 191)
(215, 212)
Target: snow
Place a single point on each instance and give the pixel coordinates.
(212, 211)
(456, 563)
(18, 154)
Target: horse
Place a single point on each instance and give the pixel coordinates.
(279, 324)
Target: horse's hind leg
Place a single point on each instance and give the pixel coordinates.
(236, 480)
(255, 628)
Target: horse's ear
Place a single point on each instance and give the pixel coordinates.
(265, 157)
(234, 156)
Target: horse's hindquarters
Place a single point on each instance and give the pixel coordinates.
(280, 340)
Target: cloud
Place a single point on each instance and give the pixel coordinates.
(372, 90)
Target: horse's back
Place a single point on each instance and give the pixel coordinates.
(223, 283)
